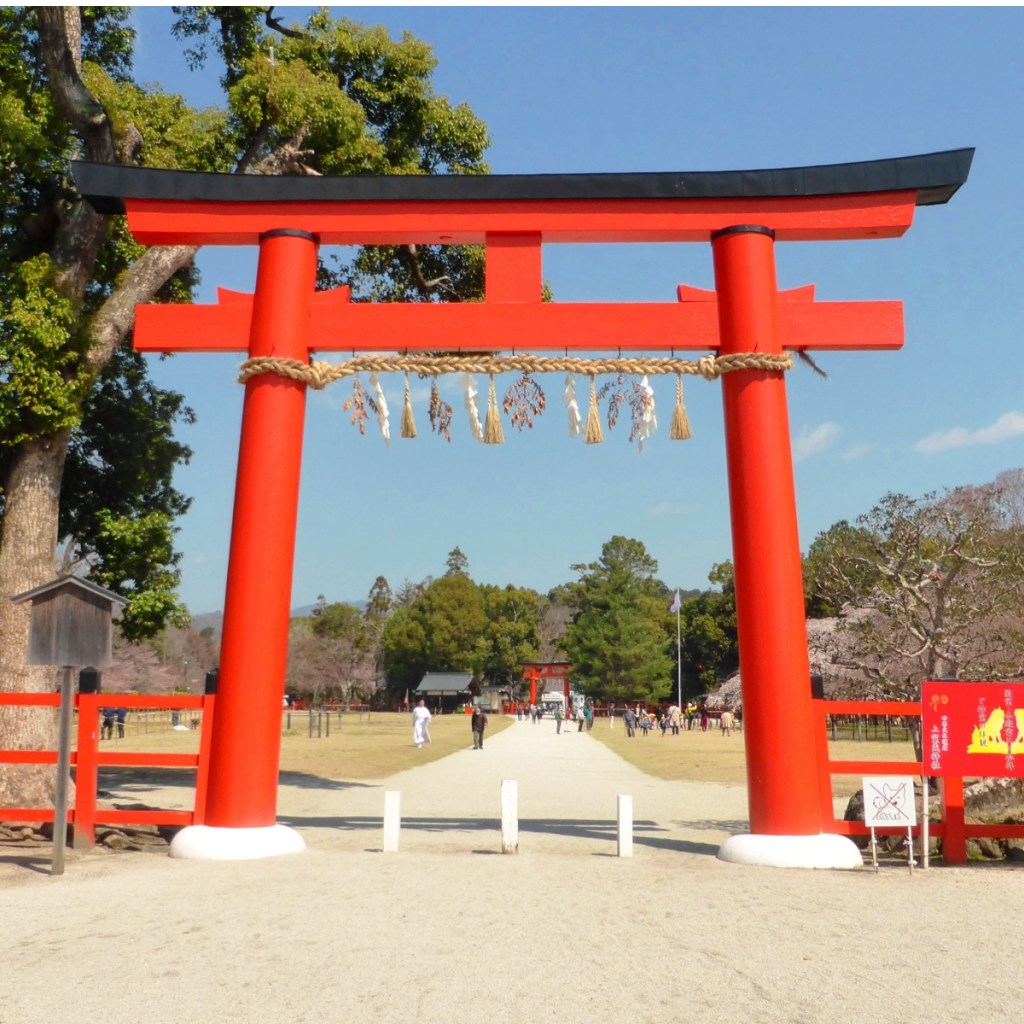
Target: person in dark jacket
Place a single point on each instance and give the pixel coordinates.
(122, 715)
(479, 723)
(107, 730)
(629, 720)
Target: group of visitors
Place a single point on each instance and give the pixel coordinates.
(421, 719)
(673, 718)
(109, 715)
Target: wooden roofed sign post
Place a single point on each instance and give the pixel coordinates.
(70, 624)
(746, 323)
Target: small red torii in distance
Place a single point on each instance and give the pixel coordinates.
(547, 672)
(741, 214)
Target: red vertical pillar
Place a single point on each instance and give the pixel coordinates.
(778, 720)
(247, 726)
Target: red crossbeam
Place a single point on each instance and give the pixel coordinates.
(794, 219)
(690, 324)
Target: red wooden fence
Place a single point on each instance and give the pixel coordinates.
(88, 758)
(952, 829)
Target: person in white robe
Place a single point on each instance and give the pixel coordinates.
(421, 718)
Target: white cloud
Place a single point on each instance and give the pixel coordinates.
(664, 509)
(1007, 426)
(812, 441)
(858, 451)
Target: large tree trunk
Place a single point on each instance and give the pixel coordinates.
(27, 545)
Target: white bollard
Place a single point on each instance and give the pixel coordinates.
(509, 816)
(392, 819)
(625, 826)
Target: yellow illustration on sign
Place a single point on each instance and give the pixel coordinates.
(989, 738)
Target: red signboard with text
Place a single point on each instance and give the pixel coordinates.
(973, 729)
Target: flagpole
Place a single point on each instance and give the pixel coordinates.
(677, 607)
(679, 662)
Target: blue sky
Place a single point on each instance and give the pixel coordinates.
(657, 89)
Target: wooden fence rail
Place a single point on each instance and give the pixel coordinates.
(952, 829)
(87, 759)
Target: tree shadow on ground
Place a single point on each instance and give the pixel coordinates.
(644, 831)
(306, 780)
(715, 825)
(136, 781)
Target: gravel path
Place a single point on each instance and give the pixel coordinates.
(448, 931)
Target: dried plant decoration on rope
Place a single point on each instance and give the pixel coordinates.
(361, 405)
(440, 413)
(524, 401)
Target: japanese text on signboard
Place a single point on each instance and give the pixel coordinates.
(973, 729)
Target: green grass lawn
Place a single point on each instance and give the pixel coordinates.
(366, 746)
(711, 757)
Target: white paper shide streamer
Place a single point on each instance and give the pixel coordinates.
(569, 397)
(468, 384)
(649, 422)
(382, 408)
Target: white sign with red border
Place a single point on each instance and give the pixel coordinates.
(889, 801)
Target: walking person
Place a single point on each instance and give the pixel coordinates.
(705, 718)
(107, 728)
(580, 718)
(629, 720)
(122, 715)
(558, 718)
(726, 721)
(479, 723)
(645, 722)
(673, 719)
(589, 714)
(421, 719)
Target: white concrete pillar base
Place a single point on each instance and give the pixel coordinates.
(205, 842)
(821, 851)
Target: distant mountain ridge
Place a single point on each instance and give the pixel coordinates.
(215, 620)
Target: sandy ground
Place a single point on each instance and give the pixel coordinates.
(449, 930)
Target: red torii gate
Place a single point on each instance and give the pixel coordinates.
(535, 672)
(742, 214)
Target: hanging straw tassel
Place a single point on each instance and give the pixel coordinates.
(680, 429)
(408, 423)
(493, 434)
(593, 434)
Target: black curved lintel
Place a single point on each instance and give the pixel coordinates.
(934, 176)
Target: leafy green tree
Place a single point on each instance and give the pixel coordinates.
(338, 621)
(380, 600)
(621, 635)
(457, 563)
(512, 635)
(442, 631)
(118, 502)
(825, 592)
(710, 646)
(330, 96)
